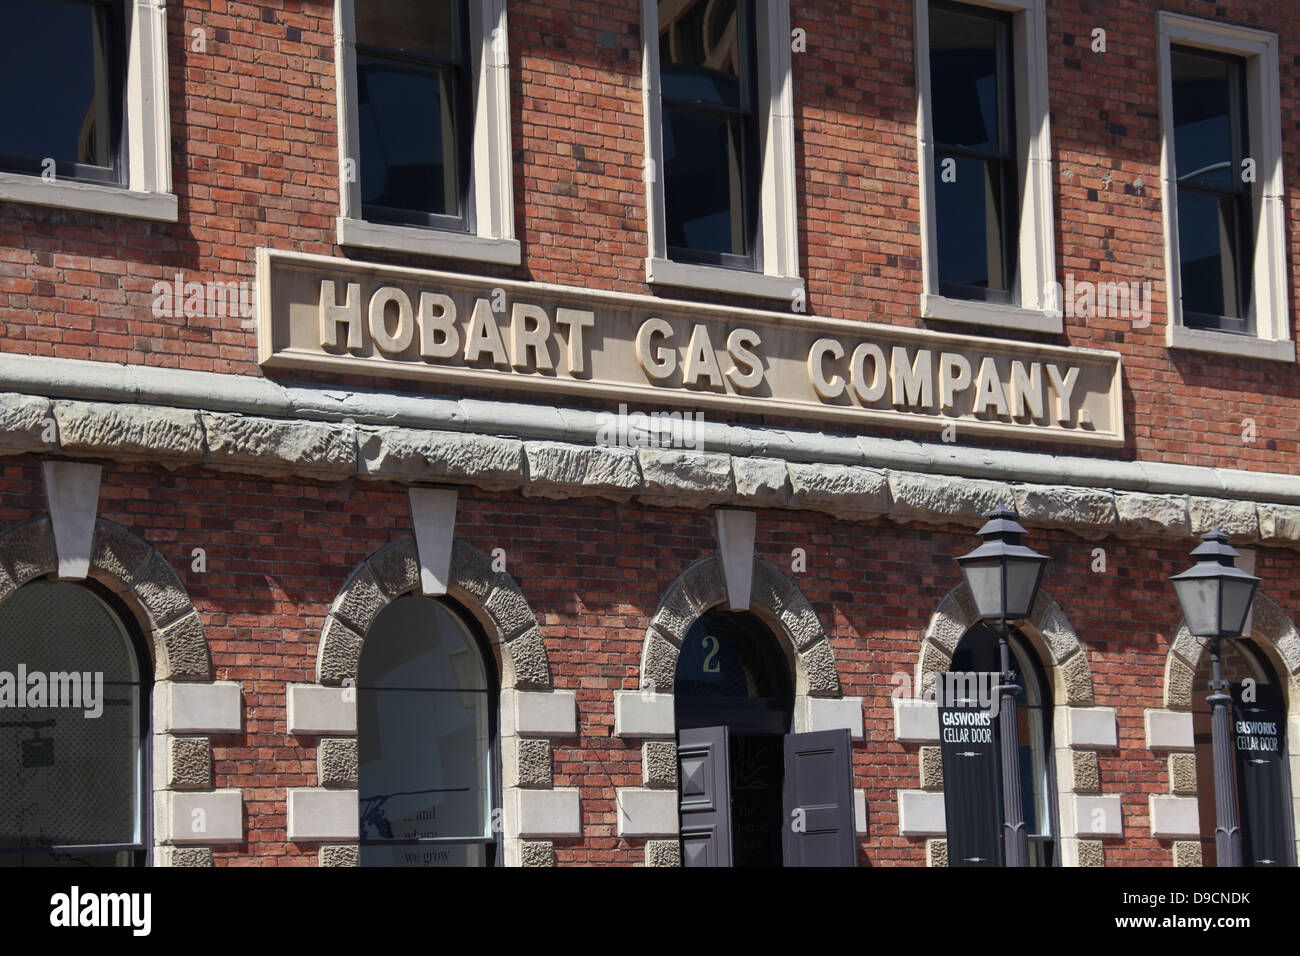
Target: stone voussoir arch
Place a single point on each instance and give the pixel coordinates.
(393, 571)
(149, 589)
(779, 603)
(1270, 627)
(774, 598)
(496, 601)
(132, 569)
(1049, 630)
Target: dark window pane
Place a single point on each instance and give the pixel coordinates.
(723, 655)
(970, 212)
(57, 71)
(978, 652)
(704, 181)
(1206, 120)
(1208, 233)
(408, 137)
(1237, 663)
(69, 774)
(75, 859)
(964, 81)
(700, 58)
(427, 27)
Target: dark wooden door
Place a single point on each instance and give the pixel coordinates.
(818, 828)
(705, 767)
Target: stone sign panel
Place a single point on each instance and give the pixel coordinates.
(316, 312)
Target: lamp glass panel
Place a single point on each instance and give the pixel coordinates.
(985, 581)
(1199, 598)
(1237, 594)
(1022, 576)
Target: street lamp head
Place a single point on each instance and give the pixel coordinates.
(1003, 575)
(1214, 593)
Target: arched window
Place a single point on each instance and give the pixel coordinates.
(730, 671)
(426, 725)
(977, 653)
(1259, 747)
(73, 729)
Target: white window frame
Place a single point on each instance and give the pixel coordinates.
(1036, 309)
(1268, 294)
(146, 128)
(777, 276)
(491, 235)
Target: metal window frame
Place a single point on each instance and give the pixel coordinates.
(116, 54)
(1006, 158)
(751, 164)
(142, 849)
(495, 856)
(457, 69)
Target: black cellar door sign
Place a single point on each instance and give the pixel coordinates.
(1259, 739)
(971, 782)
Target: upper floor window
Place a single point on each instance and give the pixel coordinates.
(68, 121)
(1210, 144)
(413, 101)
(986, 201)
(424, 145)
(720, 176)
(710, 136)
(73, 741)
(84, 123)
(1221, 168)
(974, 151)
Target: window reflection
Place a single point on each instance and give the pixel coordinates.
(67, 59)
(413, 111)
(971, 104)
(425, 727)
(1214, 234)
(709, 129)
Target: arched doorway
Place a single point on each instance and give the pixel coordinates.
(752, 793)
(1259, 747)
(972, 772)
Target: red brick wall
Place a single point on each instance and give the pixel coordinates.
(254, 133)
(277, 553)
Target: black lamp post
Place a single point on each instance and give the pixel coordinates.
(1003, 576)
(1215, 596)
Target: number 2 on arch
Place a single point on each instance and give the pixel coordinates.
(710, 659)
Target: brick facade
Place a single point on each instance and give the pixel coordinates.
(255, 164)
